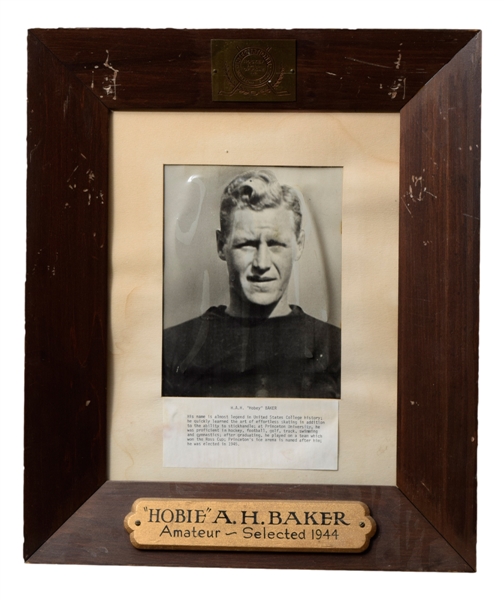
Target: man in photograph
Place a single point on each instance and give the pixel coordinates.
(258, 345)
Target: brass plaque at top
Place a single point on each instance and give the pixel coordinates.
(274, 525)
(254, 70)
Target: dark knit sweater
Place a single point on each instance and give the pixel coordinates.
(294, 356)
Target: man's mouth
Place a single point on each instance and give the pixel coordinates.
(257, 279)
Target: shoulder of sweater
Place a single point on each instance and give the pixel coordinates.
(297, 311)
(214, 312)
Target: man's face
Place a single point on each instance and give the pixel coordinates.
(260, 251)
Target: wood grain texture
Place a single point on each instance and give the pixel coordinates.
(337, 70)
(75, 78)
(438, 299)
(95, 534)
(66, 296)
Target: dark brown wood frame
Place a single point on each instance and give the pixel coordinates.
(76, 78)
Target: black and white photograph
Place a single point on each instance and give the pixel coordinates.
(252, 281)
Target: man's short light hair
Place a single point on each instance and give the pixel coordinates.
(258, 190)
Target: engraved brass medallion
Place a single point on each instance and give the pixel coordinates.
(265, 525)
(254, 70)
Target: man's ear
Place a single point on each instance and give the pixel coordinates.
(221, 241)
(300, 241)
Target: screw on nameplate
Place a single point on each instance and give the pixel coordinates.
(265, 525)
(254, 70)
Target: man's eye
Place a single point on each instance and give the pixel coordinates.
(276, 243)
(248, 244)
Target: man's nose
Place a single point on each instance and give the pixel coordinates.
(262, 258)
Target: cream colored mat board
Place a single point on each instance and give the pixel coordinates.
(367, 147)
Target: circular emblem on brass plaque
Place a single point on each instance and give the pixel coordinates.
(253, 67)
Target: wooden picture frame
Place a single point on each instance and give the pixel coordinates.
(433, 78)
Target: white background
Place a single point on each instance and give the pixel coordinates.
(76, 582)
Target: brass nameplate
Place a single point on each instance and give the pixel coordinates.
(254, 70)
(286, 525)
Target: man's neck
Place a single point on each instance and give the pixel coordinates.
(246, 310)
